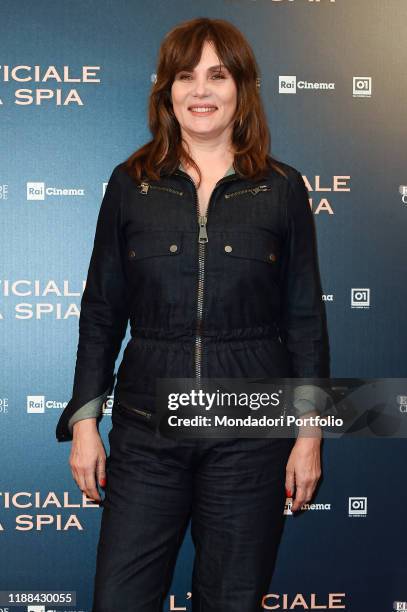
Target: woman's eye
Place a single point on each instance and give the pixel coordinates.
(182, 77)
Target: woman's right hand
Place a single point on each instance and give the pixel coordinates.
(88, 458)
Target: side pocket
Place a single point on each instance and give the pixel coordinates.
(132, 412)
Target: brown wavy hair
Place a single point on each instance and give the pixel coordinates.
(181, 49)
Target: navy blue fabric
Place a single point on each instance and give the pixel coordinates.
(262, 312)
(231, 490)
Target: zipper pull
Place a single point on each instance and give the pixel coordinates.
(144, 187)
(261, 188)
(203, 235)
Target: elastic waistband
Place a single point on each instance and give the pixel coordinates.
(209, 337)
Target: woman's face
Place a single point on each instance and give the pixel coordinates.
(204, 100)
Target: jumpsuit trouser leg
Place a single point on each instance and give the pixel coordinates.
(232, 490)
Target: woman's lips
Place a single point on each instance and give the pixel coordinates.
(199, 110)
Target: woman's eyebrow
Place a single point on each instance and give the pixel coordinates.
(210, 69)
(217, 67)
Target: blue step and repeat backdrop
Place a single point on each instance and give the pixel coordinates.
(74, 83)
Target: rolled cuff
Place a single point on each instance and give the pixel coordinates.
(92, 409)
(77, 408)
(309, 397)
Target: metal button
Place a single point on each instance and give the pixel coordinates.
(228, 248)
(173, 248)
(272, 257)
(132, 253)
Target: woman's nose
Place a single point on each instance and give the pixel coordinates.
(200, 87)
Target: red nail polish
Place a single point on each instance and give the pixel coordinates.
(288, 492)
(103, 482)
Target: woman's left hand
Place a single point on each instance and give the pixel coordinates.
(303, 468)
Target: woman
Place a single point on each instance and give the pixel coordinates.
(206, 243)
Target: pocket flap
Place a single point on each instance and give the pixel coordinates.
(154, 243)
(252, 246)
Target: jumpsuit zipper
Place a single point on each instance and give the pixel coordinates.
(202, 241)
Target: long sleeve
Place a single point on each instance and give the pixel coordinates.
(103, 316)
(302, 320)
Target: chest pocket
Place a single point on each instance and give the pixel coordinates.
(154, 266)
(256, 246)
(250, 264)
(157, 243)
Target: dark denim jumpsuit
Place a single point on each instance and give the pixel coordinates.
(234, 294)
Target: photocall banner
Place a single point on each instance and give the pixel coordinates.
(74, 84)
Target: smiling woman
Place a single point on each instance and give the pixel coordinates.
(204, 63)
(205, 91)
(204, 101)
(217, 73)
(206, 244)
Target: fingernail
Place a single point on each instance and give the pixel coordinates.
(288, 492)
(103, 482)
